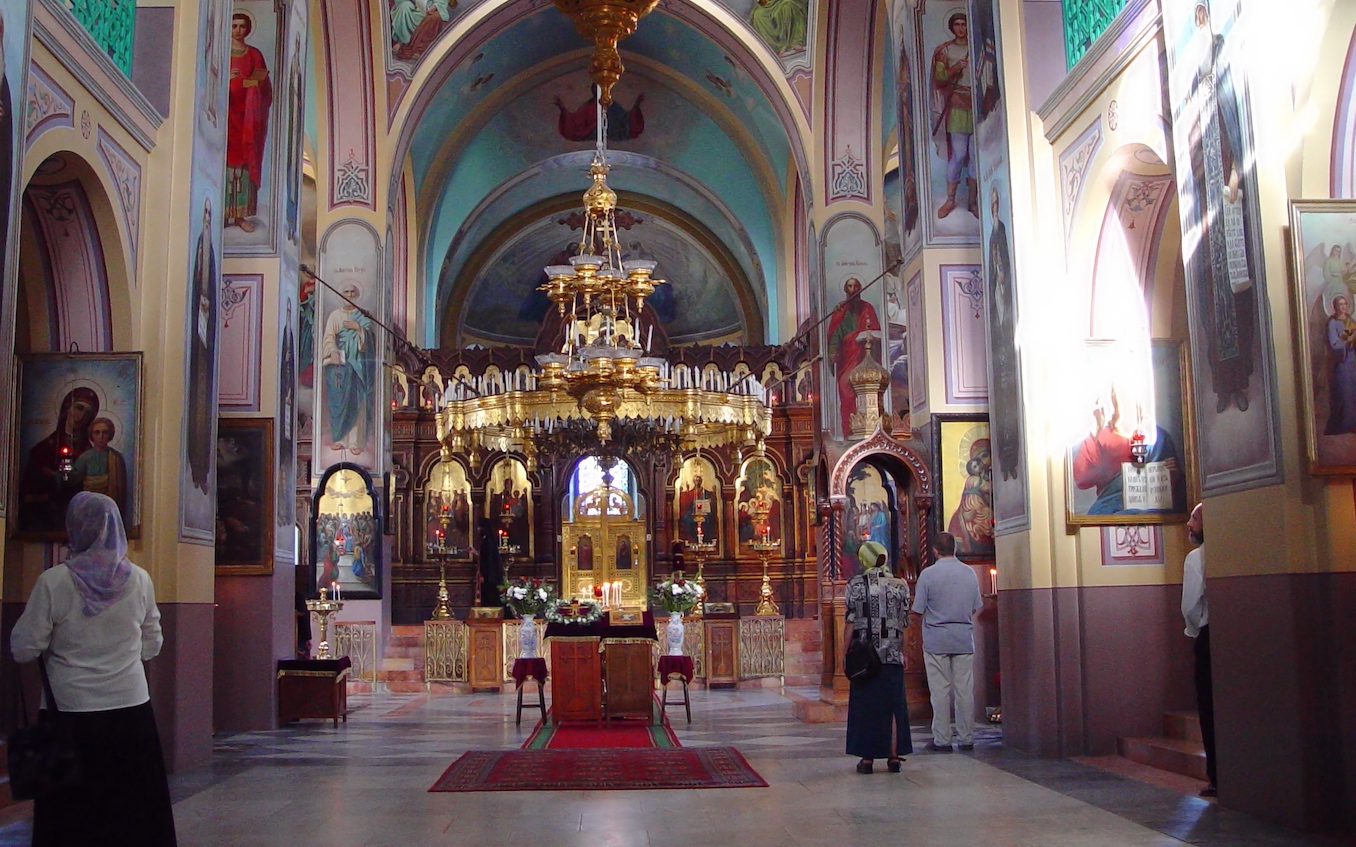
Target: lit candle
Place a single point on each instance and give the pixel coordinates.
(993, 581)
(616, 593)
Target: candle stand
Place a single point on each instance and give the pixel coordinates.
(700, 549)
(324, 609)
(763, 545)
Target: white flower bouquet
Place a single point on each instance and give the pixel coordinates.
(528, 596)
(677, 594)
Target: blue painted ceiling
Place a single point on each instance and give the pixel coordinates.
(488, 150)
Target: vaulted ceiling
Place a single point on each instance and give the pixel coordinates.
(704, 161)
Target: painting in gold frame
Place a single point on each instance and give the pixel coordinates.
(1323, 282)
(245, 467)
(508, 503)
(965, 483)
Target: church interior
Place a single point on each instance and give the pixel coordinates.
(442, 352)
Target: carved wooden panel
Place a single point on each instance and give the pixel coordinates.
(576, 679)
(694, 644)
(628, 667)
(487, 656)
(722, 652)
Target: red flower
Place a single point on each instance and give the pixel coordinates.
(680, 582)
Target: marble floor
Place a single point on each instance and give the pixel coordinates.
(365, 784)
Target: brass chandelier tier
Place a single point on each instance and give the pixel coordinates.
(606, 22)
(602, 374)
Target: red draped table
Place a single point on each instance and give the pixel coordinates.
(676, 669)
(523, 670)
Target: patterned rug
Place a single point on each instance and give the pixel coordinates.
(599, 769)
(548, 734)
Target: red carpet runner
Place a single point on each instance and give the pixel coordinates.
(625, 756)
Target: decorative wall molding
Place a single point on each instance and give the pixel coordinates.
(126, 173)
(345, 26)
(239, 341)
(47, 105)
(964, 320)
(55, 28)
(848, 62)
(1073, 169)
(1132, 545)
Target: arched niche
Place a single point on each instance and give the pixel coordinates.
(346, 543)
(912, 484)
(69, 251)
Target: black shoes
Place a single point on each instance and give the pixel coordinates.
(965, 748)
(864, 766)
(934, 747)
(1209, 791)
(894, 765)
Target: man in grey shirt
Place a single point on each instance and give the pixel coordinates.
(947, 596)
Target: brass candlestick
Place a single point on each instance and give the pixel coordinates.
(442, 611)
(700, 548)
(763, 545)
(323, 609)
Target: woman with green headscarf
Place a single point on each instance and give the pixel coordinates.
(878, 608)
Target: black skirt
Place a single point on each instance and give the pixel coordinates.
(874, 708)
(124, 799)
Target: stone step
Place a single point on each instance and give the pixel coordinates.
(1176, 755)
(1185, 725)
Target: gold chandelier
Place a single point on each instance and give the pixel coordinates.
(602, 379)
(606, 22)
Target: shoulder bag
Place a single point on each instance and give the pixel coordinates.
(862, 661)
(42, 756)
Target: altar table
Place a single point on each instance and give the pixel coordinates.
(313, 688)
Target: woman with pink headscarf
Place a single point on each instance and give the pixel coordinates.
(93, 621)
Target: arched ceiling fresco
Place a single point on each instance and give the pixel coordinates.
(510, 127)
(504, 305)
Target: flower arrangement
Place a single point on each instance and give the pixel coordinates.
(677, 594)
(582, 612)
(528, 596)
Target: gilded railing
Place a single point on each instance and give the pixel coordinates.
(358, 641)
(762, 646)
(445, 649)
(694, 645)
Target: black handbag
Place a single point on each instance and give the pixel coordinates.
(862, 661)
(42, 756)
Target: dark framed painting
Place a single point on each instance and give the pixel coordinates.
(78, 429)
(1323, 236)
(245, 467)
(1130, 398)
(965, 483)
(346, 542)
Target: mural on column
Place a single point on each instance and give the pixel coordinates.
(918, 362)
(297, 46)
(306, 346)
(1222, 245)
(946, 113)
(896, 313)
(1004, 355)
(250, 216)
(905, 201)
(14, 22)
(868, 517)
(853, 332)
(197, 482)
(347, 364)
(287, 403)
